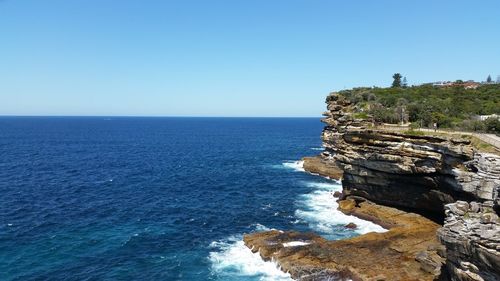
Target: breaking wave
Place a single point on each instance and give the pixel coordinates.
(319, 210)
(233, 260)
(295, 165)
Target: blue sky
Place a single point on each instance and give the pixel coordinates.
(230, 58)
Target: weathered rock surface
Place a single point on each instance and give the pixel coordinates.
(482, 178)
(472, 239)
(408, 251)
(323, 167)
(422, 173)
(351, 225)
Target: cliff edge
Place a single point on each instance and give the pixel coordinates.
(415, 172)
(437, 196)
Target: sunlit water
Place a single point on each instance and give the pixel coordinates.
(156, 198)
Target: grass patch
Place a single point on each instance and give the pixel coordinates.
(483, 146)
(360, 115)
(478, 144)
(414, 133)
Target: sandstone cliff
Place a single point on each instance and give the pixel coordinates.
(471, 234)
(425, 174)
(422, 173)
(387, 177)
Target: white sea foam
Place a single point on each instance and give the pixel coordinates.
(295, 165)
(232, 259)
(295, 243)
(317, 148)
(260, 227)
(319, 210)
(329, 186)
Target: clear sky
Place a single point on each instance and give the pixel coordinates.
(230, 58)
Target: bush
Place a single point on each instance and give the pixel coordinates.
(414, 126)
(492, 125)
(384, 114)
(360, 115)
(450, 107)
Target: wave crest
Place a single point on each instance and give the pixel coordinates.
(232, 259)
(319, 210)
(295, 165)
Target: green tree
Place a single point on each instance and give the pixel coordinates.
(397, 80)
(492, 125)
(488, 80)
(450, 107)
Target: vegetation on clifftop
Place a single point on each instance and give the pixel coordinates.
(450, 107)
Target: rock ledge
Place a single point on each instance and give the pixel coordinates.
(408, 251)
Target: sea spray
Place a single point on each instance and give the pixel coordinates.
(232, 259)
(295, 165)
(319, 210)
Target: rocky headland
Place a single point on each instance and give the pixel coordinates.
(436, 195)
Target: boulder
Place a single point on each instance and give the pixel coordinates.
(351, 225)
(320, 166)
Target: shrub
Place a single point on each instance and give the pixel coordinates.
(360, 115)
(492, 125)
(450, 107)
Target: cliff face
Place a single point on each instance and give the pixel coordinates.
(426, 174)
(386, 174)
(422, 173)
(471, 235)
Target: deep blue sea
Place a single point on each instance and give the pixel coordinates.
(93, 198)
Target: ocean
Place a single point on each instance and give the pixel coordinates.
(118, 198)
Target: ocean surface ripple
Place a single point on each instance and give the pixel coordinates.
(155, 198)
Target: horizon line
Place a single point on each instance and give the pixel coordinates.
(153, 116)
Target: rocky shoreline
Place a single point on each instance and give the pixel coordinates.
(373, 256)
(437, 196)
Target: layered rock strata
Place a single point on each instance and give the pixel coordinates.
(416, 172)
(425, 174)
(472, 239)
(322, 166)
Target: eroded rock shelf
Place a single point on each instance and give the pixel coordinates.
(374, 256)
